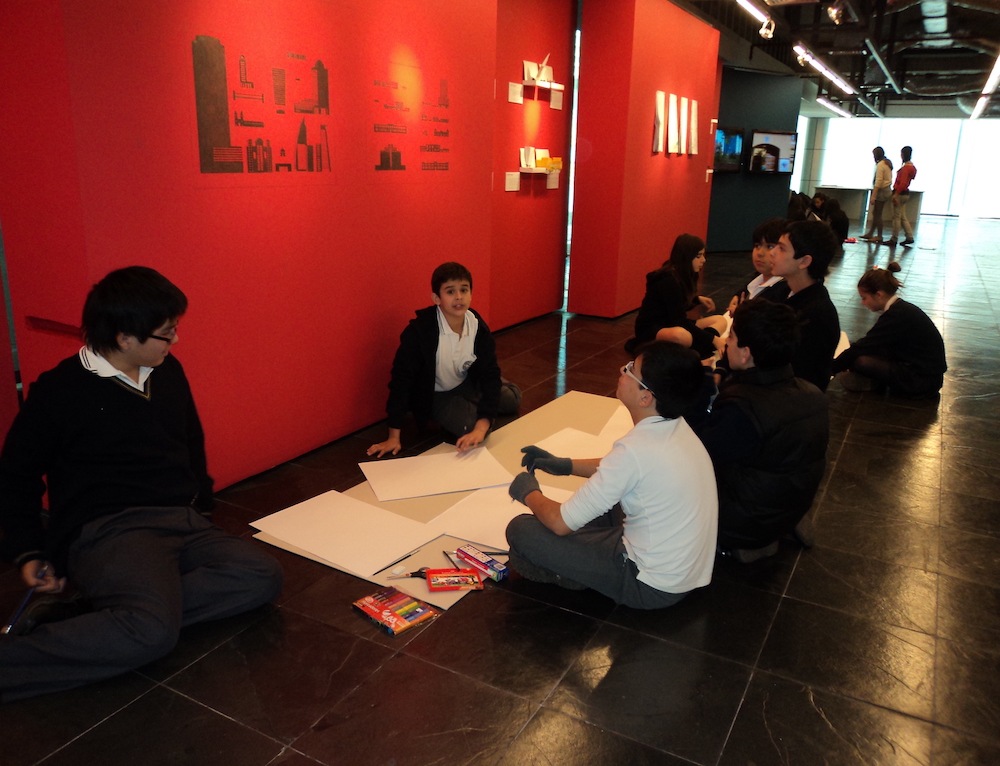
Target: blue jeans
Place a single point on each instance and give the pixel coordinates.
(593, 556)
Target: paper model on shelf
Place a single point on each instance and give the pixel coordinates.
(684, 125)
(544, 70)
(673, 129)
(693, 144)
(658, 119)
(527, 156)
(530, 71)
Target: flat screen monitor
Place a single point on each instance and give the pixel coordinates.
(728, 149)
(773, 151)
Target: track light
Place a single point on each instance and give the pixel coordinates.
(805, 56)
(754, 11)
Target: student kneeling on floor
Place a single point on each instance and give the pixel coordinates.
(657, 541)
(767, 433)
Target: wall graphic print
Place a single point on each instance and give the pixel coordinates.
(411, 123)
(244, 123)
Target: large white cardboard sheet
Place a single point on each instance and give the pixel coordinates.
(352, 535)
(434, 474)
(482, 517)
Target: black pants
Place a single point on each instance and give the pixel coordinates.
(148, 572)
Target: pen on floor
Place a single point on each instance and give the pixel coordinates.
(24, 602)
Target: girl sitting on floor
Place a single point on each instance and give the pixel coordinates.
(903, 351)
(671, 292)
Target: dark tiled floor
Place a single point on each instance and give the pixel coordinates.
(880, 645)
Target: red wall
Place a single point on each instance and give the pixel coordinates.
(631, 203)
(529, 226)
(298, 287)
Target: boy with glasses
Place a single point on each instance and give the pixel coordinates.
(642, 529)
(113, 434)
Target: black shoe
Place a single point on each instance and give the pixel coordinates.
(890, 242)
(908, 241)
(47, 609)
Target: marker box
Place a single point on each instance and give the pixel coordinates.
(489, 566)
(454, 579)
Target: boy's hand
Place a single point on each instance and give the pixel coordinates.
(475, 437)
(707, 302)
(522, 486)
(38, 574)
(389, 445)
(536, 457)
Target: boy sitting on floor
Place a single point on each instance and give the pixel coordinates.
(115, 434)
(446, 368)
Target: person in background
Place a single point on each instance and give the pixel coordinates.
(903, 351)
(881, 193)
(671, 292)
(837, 219)
(901, 195)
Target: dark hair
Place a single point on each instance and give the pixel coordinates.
(135, 301)
(881, 279)
(879, 153)
(817, 239)
(906, 152)
(685, 250)
(447, 272)
(831, 206)
(673, 373)
(820, 196)
(770, 231)
(770, 330)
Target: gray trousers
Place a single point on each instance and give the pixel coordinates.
(594, 556)
(147, 572)
(457, 410)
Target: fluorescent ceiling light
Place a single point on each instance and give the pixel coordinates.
(833, 107)
(980, 107)
(753, 10)
(993, 80)
(807, 57)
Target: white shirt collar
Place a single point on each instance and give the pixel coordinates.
(101, 367)
(889, 302)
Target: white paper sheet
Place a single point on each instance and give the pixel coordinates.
(693, 145)
(512, 181)
(552, 180)
(619, 424)
(556, 99)
(351, 535)
(482, 517)
(515, 93)
(577, 444)
(684, 125)
(434, 474)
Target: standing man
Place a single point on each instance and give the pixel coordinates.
(881, 193)
(901, 195)
(113, 434)
(642, 529)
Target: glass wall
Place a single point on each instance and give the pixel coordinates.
(949, 155)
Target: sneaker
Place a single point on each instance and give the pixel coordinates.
(908, 241)
(890, 242)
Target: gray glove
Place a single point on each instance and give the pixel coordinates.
(522, 486)
(536, 457)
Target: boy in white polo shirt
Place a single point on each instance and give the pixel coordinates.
(446, 370)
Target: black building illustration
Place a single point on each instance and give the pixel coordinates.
(211, 93)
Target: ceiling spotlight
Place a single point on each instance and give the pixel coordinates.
(836, 13)
(767, 29)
